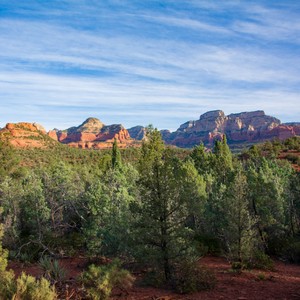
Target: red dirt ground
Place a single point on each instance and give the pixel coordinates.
(283, 283)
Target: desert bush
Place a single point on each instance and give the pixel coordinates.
(25, 287)
(206, 244)
(260, 260)
(29, 288)
(237, 266)
(261, 277)
(292, 252)
(292, 158)
(52, 269)
(190, 277)
(99, 281)
(7, 284)
(155, 278)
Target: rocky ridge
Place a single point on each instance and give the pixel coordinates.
(93, 134)
(137, 132)
(26, 135)
(239, 128)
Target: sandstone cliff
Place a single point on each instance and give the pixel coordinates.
(137, 132)
(26, 135)
(245, 127)
(240, 129)
(92, 133)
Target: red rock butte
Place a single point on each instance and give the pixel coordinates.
(239, 128)
(93, 134)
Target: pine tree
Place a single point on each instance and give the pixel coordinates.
(168, 189)
(116, 156)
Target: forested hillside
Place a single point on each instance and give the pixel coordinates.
(155, 208)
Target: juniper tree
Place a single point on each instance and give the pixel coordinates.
(168, 189)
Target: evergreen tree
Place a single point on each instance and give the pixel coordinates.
(240, 232)
(3, 253)
(116, 156)
(168, 188)
(107, 201)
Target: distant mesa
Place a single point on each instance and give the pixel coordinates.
(240, 129)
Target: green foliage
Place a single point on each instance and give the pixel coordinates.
(108, 200)
(3, 252)
(25, 287)
(239, 235)
(170, 191)
(156, 205)
(116, 156)
(293, 158)
(261, 277)
(99, 281)
(34, 209)
(261, 261)
(29, 288)
(9, 160)
(52, 270)
(291, 251)
(189, 277)
(7, 284)
(154, 277)
(207, 244)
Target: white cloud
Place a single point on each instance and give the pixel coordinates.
(76, 71)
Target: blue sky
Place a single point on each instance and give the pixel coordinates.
(138, 62)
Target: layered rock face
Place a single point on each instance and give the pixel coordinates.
(240, 128)
(25, 135)
(137, 132)
(245, 127)
(93, 134)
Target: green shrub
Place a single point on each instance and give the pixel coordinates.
(292, 252)
(237, 266)
(7, 284)
(208, 245)
(25, 287)
(293, 158)
(261, 261)
(99, 281)
(261, 277)
(52, 269)
(154, 278)
(190, 277)
(29, 288)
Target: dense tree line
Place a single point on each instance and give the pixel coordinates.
(156, 205)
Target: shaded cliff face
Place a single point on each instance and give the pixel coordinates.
(137, 132)
(92, 133)
(26, 135)
(245, 127)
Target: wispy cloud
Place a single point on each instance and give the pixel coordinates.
(187, 23)
(143, 64)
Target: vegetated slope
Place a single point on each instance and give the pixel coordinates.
(155, 206)
(26, 135)
(288, 150)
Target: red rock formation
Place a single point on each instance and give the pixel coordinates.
(92, 133)
(246, 127)
(25, 135)
(53, 135)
